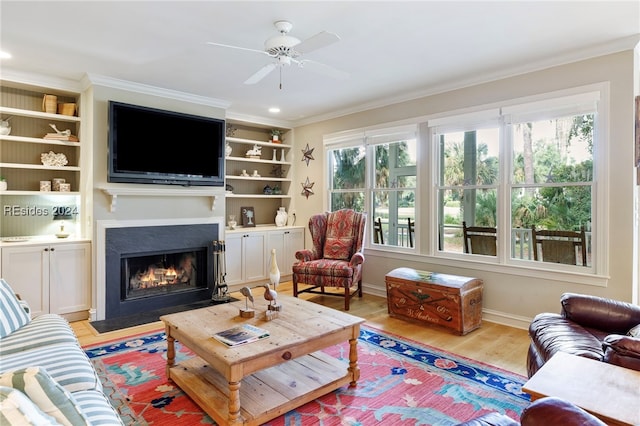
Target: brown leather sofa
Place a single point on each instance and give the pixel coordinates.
(542, 412)
(588, 326)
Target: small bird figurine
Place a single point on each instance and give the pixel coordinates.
(274, 272)
(246, 292)
(270, 295)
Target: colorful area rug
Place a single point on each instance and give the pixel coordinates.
(402, 382)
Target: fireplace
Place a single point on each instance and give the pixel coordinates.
(154, 267)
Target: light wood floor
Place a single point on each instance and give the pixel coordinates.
(498, 345)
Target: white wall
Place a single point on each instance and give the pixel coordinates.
(510, 298)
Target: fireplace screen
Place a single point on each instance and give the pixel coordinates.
(155, 274)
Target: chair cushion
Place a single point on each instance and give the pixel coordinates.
(340, 235)
(338, 248)
(635, 331)
(324, 267)
(18, 409)
(12, 314)
(46, 393)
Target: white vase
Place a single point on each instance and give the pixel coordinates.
(3, 185)
(281, 217)
(228, 150)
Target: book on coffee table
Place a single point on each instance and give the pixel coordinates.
(241, 334)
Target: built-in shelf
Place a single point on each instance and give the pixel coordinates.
(257, 196)
(263, 178)
(39, 167)
(37, 140)
(47, 193)
(160, 192)
(38, 114)
(254, 142)
(258, 160)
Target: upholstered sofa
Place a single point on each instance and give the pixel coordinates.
(45, 376)
(588, 326)
(547, 411)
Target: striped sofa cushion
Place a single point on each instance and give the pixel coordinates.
(67, 364)
(46, 329)
(12, 315)
(46, 393)
(97, 408)
(19, 410)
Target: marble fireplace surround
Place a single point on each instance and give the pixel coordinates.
(98, 311)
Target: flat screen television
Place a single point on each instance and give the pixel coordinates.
(154, 146)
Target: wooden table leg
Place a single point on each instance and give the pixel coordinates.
(234, 402)
(353, 362)
(171, 352)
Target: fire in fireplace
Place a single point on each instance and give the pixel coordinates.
(150, 275)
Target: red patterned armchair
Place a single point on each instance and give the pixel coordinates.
(336, 258)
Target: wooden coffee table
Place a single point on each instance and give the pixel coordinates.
(255, 382)
(607, 391)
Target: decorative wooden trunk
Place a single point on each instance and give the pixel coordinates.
(448, 301)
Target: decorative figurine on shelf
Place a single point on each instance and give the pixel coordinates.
(274, 272)
(246, 312)
(228, 149)
(272, 297)
(5, 129)
(275, 136)
(232, 221)
(267, 190)
(254, 153)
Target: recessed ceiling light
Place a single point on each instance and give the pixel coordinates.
(274, 110)
(4, 55)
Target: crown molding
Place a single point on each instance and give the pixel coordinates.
(101, 80)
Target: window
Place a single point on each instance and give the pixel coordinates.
(394, 191)
(552, 183)
(520, 170)
(467, 183)
(514, 172)
(376, 173)
(347, 178)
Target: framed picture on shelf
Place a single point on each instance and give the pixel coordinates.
(248, 217)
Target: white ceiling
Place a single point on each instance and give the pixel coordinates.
(392, 50)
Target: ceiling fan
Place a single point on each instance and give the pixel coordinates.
(286, 49)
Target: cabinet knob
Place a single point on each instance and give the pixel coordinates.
(46, 249)
(52, 249)
(286, 232)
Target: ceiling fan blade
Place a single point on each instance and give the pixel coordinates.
(315, 42)
(262, 73)
(323, 69)
(238, 47)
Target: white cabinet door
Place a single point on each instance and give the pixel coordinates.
(293, 243)
(52, 278)
(233, 258)
(245, 257)
(254, 247)
(26, 269)
(70, 278)
(286, 242)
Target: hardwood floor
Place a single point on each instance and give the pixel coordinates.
(498, 345)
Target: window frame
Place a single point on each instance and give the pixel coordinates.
(426, 247)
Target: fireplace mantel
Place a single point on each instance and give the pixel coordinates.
(114, 192)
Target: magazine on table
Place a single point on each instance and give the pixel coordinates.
(241, 334)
